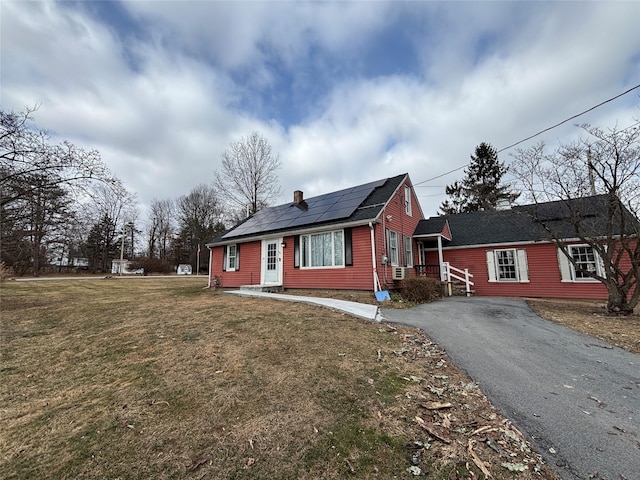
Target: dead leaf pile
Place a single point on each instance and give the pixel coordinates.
(456, 421)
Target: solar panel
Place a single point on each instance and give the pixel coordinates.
(323, 208)
(337, 213)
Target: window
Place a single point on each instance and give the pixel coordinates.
(272, 256)
(322, 249)
(587, 261)
(408, 251)
(508, 265)
(392, 247)
(232, 256)
(407, 200)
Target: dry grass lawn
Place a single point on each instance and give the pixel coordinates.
(150, 378)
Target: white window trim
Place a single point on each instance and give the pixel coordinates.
(522, 267)
(568, 270)
(395, 262)
(228, 267)
(407, 261)
(307, 260)
(407, 200)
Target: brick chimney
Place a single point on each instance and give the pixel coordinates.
(298, 197)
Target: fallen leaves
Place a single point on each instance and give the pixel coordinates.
(436, 405)
(479, 463)
(460, 423)
(433, 429)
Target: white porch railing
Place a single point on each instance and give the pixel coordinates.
(457, 274)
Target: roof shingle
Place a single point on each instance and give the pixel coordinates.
(525, 223)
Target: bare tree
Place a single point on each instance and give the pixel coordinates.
(27, 152)
(199, 213)
(39, 181)
(248, 178)
(110, 211)
(605, 168)
(161, 225)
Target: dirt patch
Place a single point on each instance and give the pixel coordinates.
(162, 379)
(591, 318)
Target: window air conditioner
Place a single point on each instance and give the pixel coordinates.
(398, 273)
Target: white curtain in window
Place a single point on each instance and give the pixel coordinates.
(321, 251)
(338, 254)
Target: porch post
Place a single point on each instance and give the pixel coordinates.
(440, 258)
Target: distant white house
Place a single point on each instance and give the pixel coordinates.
(73, 262)
(125, 268)
(184, 269)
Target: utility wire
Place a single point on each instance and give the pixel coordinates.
(569, 119)
(536, 134)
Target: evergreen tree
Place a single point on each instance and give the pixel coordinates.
(102, 245)
(481, 187)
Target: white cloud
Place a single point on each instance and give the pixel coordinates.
(244, 34)
(163, 105)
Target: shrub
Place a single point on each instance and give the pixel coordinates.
(152, 265)
(421, 289)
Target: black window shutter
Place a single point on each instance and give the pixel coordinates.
(348, 251)
(224, 258)
(296, 251)
(237, 257)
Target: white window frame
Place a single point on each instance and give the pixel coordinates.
(393, 249)
(407, 200)
(520, 263)
(306, 254)
(228, 266)
(568, 270)
(408, 250)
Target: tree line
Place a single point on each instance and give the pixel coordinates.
(61, 209)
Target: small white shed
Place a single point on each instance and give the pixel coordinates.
(184, 269)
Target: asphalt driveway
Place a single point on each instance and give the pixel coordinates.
(575, 397)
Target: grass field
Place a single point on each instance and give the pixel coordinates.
(147, 378)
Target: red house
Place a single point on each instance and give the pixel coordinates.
(511, 252)
(359, 238)
(372, 236)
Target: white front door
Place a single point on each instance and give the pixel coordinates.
(271, 262)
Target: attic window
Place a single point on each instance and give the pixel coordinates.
(407, 200)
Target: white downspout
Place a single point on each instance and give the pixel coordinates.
(210, 265)
(376, 281)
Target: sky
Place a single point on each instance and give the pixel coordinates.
(345, 92)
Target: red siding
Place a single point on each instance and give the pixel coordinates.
(401, 223)
(446, 231)
(250, 265)
(544, 274)
(356, 277)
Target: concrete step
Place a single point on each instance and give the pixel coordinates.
(262, 288)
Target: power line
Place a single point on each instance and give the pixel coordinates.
(536, 134)
(569, 119)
